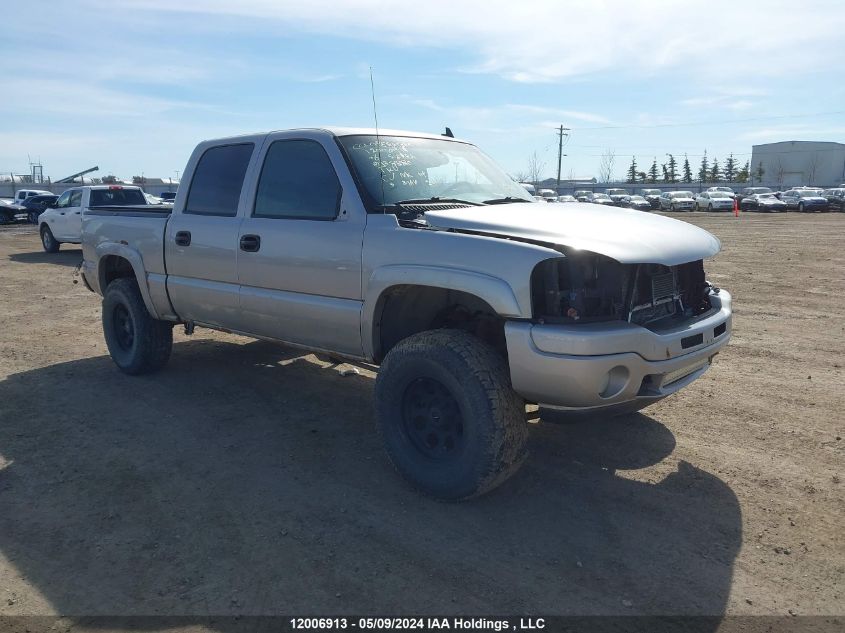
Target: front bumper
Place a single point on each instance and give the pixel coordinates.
(606, 365)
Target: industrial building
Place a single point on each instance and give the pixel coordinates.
(794, 163)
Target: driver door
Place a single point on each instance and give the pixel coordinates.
(55, 217)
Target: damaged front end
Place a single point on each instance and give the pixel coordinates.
(588, 287)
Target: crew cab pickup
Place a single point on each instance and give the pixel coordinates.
(418, 254)
(62, 221)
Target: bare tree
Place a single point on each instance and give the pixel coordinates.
(813, 167)
(521, 176)
(606, 165)
(535, 168)
(779, 173)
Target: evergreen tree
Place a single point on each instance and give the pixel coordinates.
(632, 170)
(743, 174)
(665, 172)
(730, 169)
(652, 173)
(642, 176)
(715, 173)
(672, 171)
(759, 172)
(704, 170)
(687, 177)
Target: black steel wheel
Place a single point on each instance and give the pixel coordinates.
(432, 420)
(137, 342)
(450, 421)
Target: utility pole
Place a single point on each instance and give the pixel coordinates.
(560, 153)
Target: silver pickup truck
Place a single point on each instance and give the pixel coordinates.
(418, 254)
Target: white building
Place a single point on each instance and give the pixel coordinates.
(793, 163)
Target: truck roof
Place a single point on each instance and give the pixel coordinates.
(341, 131)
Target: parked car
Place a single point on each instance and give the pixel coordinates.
(550, 195)
(714, 201)
(762, 202)
(62, 222)
(167, 196)
(23, 194)
(36, 205)
(599, 198)
(726, 190)
(581, 195)
(567, 199)
(637, 203)
(750, 191)
(676, 201)
(835, 198)
(617, 194)
(805, 200)
(527, 185)
(472, 299)
(653, 197)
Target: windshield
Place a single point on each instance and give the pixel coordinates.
(104, 197)
(681, 194)
(766, 196)
(617, 192)
(651, 192)
(637, 199)
(725, 189)
(718, 194)
(810, 193)
(393, 169)
(601, 196)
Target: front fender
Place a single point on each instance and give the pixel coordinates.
(134, 258)
(495, 291)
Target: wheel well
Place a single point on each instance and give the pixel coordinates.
(114, 267)
(408, 309)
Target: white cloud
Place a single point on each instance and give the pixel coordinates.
(548, 40)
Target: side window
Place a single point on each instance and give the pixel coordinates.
(218, 179)
(297, 181)
(63, 200)
(75, 198)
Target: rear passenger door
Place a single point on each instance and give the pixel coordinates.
(299, 260)
(201, 241)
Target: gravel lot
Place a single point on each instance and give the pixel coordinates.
(247, 477)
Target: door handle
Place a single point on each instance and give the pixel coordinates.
(183, 238)
(250, 243)
(77, 212)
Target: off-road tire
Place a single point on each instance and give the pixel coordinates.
(147, 347)
(50, 243)
(494, 429)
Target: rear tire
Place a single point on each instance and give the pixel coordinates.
(800, 207)
(138, 343)
(447, 414)
(710, 208)
(50, 243)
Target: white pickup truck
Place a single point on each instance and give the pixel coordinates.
(418, 254)
(62, 222)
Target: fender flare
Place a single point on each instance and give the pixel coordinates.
(495, 291)
(134, 258)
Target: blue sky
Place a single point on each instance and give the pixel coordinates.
(133, 85)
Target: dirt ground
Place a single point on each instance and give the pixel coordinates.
(247, 478)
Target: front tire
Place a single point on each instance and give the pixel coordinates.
(50, 243)
(138, 343)
(800, 207)
(447, 414)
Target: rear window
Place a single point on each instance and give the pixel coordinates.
(121, 197)
(218, 179)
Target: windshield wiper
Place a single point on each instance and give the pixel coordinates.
(505, 200)
(433, 199)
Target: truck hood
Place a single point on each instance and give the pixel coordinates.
(629, 237)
